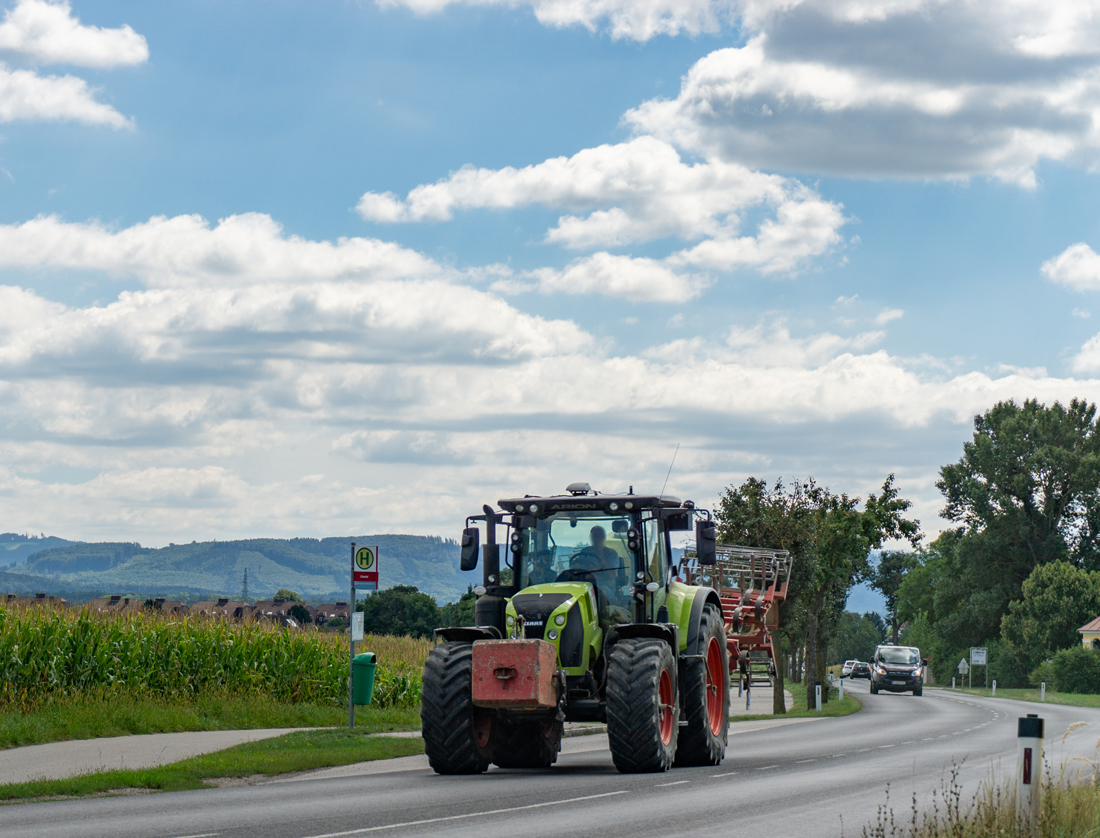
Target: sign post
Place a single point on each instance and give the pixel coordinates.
(964, 669)
(978, 657)
(364, 568)
(351, 637)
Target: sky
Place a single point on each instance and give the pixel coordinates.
(302, 269)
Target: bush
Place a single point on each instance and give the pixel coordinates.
(1076, 670)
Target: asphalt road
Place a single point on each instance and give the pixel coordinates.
(823, 777)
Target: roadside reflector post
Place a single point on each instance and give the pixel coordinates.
(952, 682)
(1043, 691)
(817, 696)
(748, 695)
(1029, 772)
(740, 687)
(841, 693)
(994, 687)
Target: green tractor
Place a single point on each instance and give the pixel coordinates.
(585, 620)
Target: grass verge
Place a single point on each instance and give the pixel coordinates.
(91, 717)
(1067, 699)
(302, 751)
(1067, 811)
(833, 708)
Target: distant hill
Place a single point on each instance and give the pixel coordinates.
(16, 548)
(312, 567)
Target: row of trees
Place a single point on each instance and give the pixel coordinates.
(830, 537)
(405, 610)
(1018, 573)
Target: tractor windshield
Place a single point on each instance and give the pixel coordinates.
(582, 547)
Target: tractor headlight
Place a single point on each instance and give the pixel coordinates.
(511, 621)
(552, 634)
(560, 619)
(534, 509)
(520, 507)
(613, 506)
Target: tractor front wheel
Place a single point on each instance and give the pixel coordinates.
(642, 711)
(526, 744)
(705, 696)
(457, 735)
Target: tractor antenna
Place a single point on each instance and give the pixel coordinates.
(670, 465)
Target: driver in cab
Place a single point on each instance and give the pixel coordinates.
(611, 583)
(597, 555)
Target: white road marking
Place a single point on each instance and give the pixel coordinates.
(836, 756)
(200, 835)
(727, 774)
(666, 785)
(367, 829)
(863, 750)
(804, 761)
(767, 768)
(885, 746)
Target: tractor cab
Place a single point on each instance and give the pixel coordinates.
(611, 551)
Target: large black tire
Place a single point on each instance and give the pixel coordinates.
(705, 696)
(919, 690)
(457, 735)
(874, 689)
(526, 744)
(642, 710)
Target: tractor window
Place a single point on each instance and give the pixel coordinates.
(655, 553)
(581, 547)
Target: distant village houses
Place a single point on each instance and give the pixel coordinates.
(284, 612)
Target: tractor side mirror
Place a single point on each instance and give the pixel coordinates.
(471, 542)
(706, 543)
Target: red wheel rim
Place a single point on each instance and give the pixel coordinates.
(664, 694)
(714, 686)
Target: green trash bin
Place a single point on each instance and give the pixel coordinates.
(362, 677)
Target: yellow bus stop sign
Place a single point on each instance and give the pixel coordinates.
(366, 565)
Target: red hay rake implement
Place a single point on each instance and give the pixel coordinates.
(751, 582)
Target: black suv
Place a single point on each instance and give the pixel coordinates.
(897, 669)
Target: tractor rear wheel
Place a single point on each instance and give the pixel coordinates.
(705, 696)
(457, 735)
(526, 744)
(642, 710)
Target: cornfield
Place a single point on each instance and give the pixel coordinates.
(46, 652)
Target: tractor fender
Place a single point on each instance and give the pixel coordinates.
(703, 597)
(668, 632)
(467, 633)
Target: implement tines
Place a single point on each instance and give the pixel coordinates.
(744, 569)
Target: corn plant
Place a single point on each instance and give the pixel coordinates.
(60, 652)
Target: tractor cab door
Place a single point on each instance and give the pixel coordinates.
(656, 560)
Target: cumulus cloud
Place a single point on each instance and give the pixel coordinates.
(186, 250)
(612, 276)
(937, 89)
(1077, 268)
(635, 192)
(27, 96)
(45, 31)
(637, 20)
